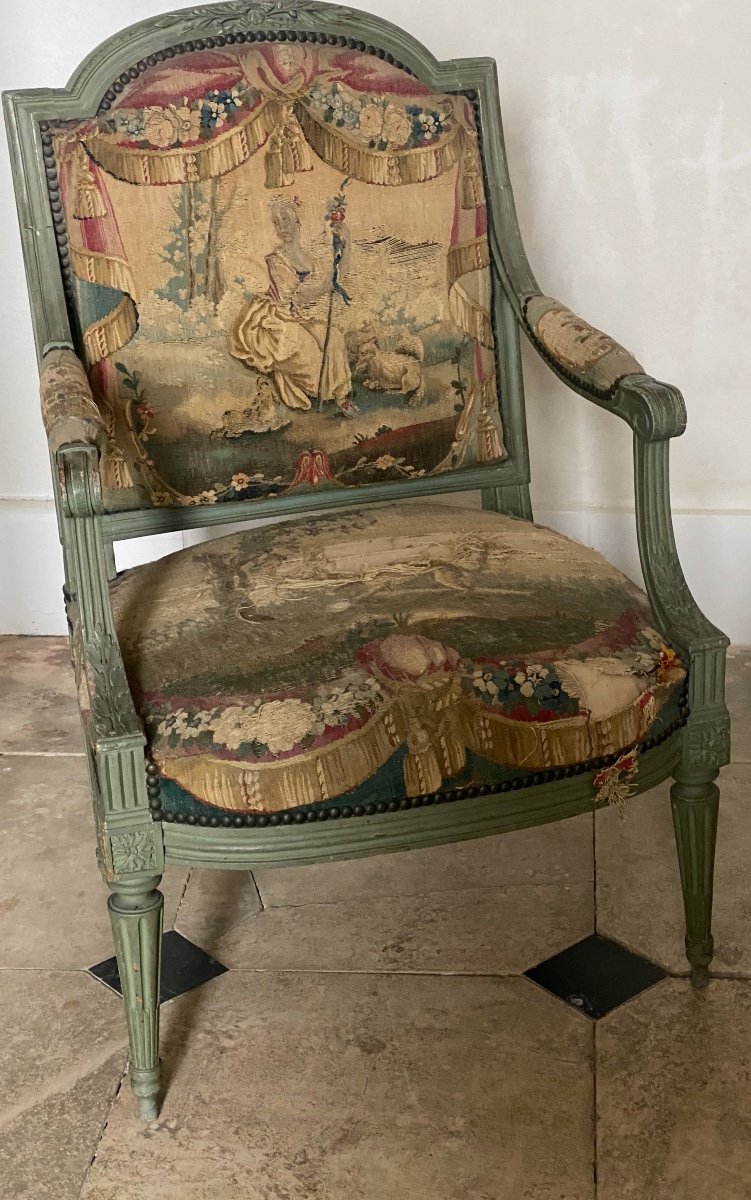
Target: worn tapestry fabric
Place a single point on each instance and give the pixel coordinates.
(578, 347)
(281, 276)
(68, 409)
(288, 665)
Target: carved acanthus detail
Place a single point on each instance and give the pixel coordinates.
(110, 700)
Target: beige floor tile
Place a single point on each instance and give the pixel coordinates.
(38, 709)
(739, 701)
(61, 1058)
(53, 904)
(673, 1096)
(557, 853)
(638, 886)
(317, 1087)
(483, 931)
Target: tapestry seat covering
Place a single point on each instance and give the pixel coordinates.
(387, 651)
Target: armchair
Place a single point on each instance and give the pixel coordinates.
(274, 266)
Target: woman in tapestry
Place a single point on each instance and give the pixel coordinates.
(305, 357)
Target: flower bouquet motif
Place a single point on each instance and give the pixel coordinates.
(335, 216)
(336, 213)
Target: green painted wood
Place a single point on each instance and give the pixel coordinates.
(513, 499)
(141, 522)
(357, 837)
(136, 914)
(131, 847)
(695, 801)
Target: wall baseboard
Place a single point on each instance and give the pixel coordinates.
(715, 550)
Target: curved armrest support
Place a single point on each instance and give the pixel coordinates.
(677, 613)
(597, 367)
(69, 411)
(655, 411)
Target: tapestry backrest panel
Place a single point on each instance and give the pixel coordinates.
(281, 276)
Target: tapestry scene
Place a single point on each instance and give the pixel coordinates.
(281, 276)
(390, 649)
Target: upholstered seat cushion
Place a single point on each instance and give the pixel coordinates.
(394, 648)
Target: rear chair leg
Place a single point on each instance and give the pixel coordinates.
(695, 802)
(136, 909)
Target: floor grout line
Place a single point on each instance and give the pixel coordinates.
(595, 1145)
(595, 1180)
(594, 868)
(374, 897)
(259, 897)
(42, 754)
(182, 896)
(669, 975)
(103, 1129)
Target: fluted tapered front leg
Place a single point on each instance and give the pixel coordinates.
(136, 913)
(695, 801)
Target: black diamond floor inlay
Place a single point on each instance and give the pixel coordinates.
(596, 975)
(184, 966)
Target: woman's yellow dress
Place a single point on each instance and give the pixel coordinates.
(271, 336)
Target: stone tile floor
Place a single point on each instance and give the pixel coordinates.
(375, 1037)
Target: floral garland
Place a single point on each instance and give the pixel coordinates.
(526, 691)
(264, 728)
(260, 729)
(381, 124)
(184, 124)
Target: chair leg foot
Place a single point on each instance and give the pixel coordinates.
(136, 914)
(145, 1085)
(695, 802)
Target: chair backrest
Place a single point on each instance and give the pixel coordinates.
(272, 238)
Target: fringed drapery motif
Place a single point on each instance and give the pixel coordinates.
(186, 164)
(108, 313)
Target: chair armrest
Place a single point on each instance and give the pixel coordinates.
(594, 364)
(69, 411)
(105, 700)
(114, 735)
(597, 367)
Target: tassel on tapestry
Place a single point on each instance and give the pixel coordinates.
(287, 152)
(114, 469)
(432, 756)
(87, 201)
(273, 161)
(472, 190)
(422, 772)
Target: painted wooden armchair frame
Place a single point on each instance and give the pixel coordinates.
(132, 846)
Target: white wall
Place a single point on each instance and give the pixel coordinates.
(629, 143)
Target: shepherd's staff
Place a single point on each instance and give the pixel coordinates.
(336, 212)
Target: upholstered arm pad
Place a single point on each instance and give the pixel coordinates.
(577, 349)
(69, 411)
(596, 364)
